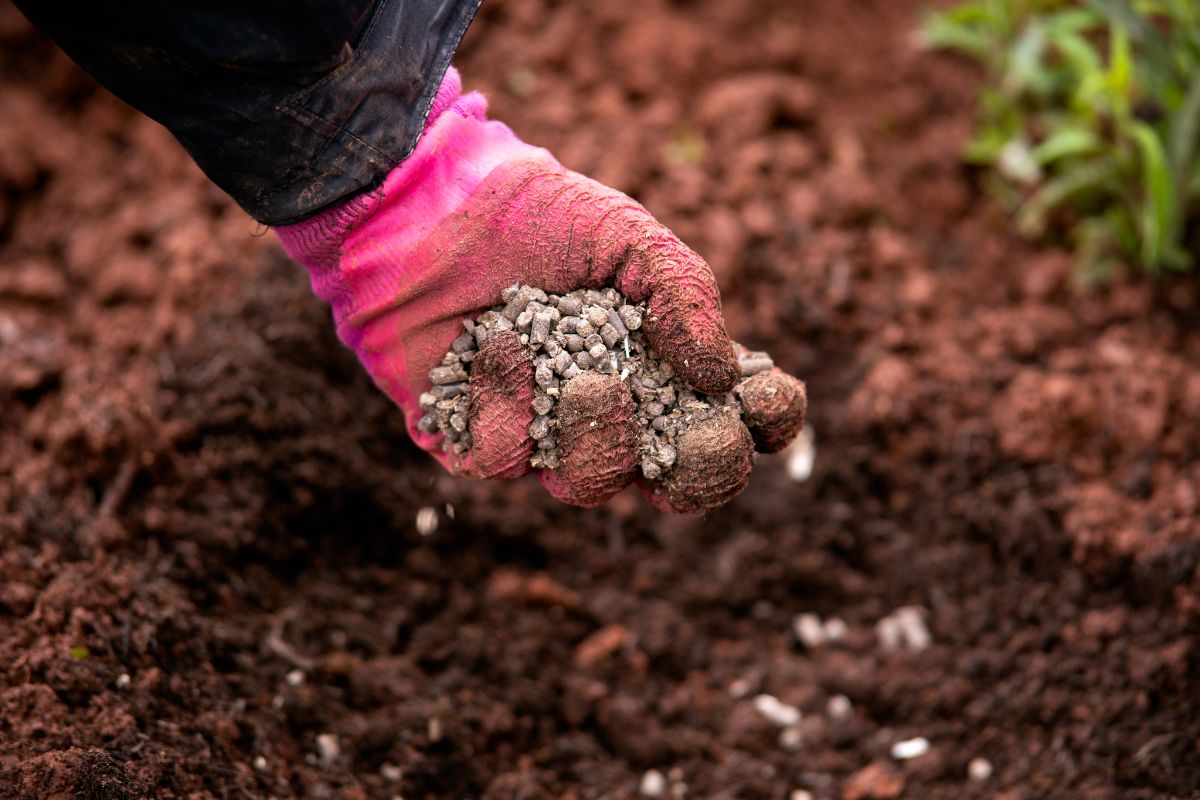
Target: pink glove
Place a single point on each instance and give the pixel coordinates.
(472, 211)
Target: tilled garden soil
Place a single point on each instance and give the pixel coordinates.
(211, 579)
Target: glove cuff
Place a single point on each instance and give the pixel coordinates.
(316, 241)
(457, 150)
(447, 94)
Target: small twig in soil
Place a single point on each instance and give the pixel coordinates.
(116, 491)
(278, 645)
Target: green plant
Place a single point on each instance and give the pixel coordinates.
(1090, 117)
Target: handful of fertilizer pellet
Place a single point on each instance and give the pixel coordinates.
(568, 335)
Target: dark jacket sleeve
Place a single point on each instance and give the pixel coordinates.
(288, 105)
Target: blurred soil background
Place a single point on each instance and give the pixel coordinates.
(212, 584)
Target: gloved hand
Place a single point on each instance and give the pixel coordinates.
(474, 210)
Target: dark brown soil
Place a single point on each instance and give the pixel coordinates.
(208, 554)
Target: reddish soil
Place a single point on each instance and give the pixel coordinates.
(208, 554)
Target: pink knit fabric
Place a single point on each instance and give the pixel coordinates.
(360, 269)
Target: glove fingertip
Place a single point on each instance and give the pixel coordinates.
(709, 367)
(696, 347)
(597, 438)
(566, 491)
(501, 410)
(773, 406)
(713, 466)
(683, 320)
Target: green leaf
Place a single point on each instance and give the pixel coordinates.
(1065, 142)
(1031, 217)
(1136, 23)
(1185, 133)
(965, 14)
(1118, 216)
(1110, 92)
(1026, 72)
(938, 31)
(1000, 16)
(80, 653)
(1120, 73)
(1095, 252)
(1074, 20)
(985, 148)
(1158, 209)
(1081, 57)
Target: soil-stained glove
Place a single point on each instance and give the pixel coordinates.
(474, 210)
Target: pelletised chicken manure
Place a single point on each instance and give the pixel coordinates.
(576, 338)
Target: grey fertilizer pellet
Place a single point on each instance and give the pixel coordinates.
(567, 334)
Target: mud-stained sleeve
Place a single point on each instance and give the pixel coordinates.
(290, 106)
